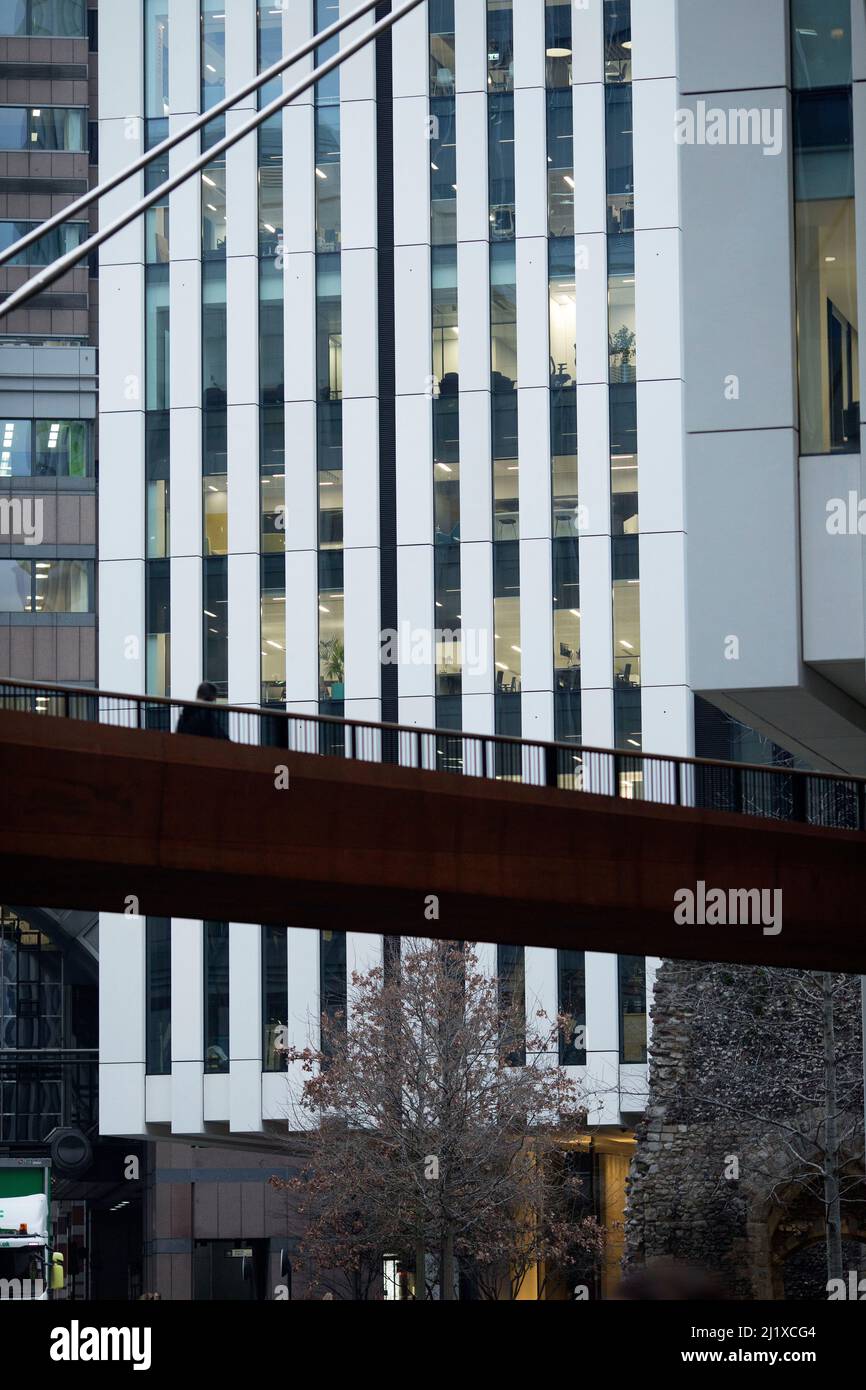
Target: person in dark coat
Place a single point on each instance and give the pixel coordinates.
(205, 723)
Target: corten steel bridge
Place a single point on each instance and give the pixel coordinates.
(547, 844)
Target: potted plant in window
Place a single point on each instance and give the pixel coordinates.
(621, 345)
(333, 666)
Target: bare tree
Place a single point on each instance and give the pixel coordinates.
(425, 1140)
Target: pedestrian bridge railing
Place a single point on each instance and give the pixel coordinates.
(777, 792)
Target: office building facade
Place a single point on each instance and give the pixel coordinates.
(439, 402)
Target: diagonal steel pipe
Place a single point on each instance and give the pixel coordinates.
(53, 272)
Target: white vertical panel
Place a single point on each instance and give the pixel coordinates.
(473, 289)
(243, 478)
(358, 167)
(245, 1027)
(663, 619)
(185, 201)
(411, 76)
(414, 433)
(186, 331)
(360, 472)
(121, 81)
(302, 488)
(303, 967)
(476, 601)
(121, 328)
(654, 38)
(591, 297)
(413, 329)
(357, 74)
(300, 321)
(241, 52)
(473, 198)
(302, 627)
(530, 161)
(590, 176)
(668, 719)
(596, 714)
(656, 164)
(596, 632)
(122, 948)
(661, 477)
(470, 41)
(536, 709)
(411, 171)
(186, 625)
(186, 495)
(533, 422)
(299, 206)
(536, 615)
(587, 42)
(363, 669)
(541, 990)
(529, 55)
(184, 65)
(417, 711)
(120, 142)
(593, 432)
(187, 1026)
(415, 607)
(121, 626)
(476, 475)
(244, 636)
(533, 313)
(242, 322)
(658, 324)
(242, 198)
(360, 327)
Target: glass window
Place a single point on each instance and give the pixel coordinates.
(275, 997)
(273, 629)
(156, 58)
(213, 195)
(563, 383)
(216, 624)
(214, 359)
(329, 328)
(443, 172)
(273, 480)
(557, 42)
(828, 338)
(507, 650)
(157, 337)
(500, 46)
(64, 586)
(566, 617)
(48, 248)
(442, 65)
(213, 52)
(64, 19)
(503, 384)
(617, 40)
(560, 163)
(62, 449)
(157, 592)
(619, 147)
(16, 586)
(448, 624)
(43, 128)
(571, 978)
(158, 992)
(330, 480)
(156, 218)
(270, 28)
(216, 996)
(157, 468)
(215, 502)
(271, 191)
(500, 111)
(328, 88)
(511, 980)
(15, 449)
(632, 1008)
(626, 611)
(328, 235)
(333, 986)
(622, 347)
(332, 652)
(821, 35)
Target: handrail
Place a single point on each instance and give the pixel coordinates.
(58, 268)
(109, 184)
(266, 712)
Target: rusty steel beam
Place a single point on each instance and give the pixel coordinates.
(94, 816)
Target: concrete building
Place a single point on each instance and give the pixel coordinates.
(491, 333)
